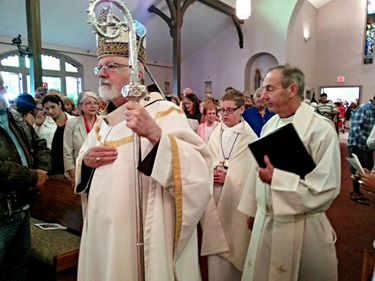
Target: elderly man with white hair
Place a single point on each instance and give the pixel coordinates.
(175, 171)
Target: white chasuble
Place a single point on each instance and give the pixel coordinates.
(174, 199)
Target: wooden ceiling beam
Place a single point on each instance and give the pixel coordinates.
(228, 10)
(177, 10)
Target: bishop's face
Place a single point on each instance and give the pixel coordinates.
(113, 76)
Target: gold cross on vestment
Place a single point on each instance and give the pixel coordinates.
(280, 269)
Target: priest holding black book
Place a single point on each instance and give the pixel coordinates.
(292, 238)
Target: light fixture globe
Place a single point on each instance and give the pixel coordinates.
(243, 9)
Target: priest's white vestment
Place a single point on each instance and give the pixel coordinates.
(292, 239)
(174, 198)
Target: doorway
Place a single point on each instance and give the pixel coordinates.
(342, 93)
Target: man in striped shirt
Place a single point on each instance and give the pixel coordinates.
(326, 107)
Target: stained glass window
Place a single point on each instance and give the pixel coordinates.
(370, 30)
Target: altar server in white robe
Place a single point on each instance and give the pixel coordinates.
(292, 239)
(225, 233)
(176, 181)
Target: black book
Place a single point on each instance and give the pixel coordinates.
(285, 151)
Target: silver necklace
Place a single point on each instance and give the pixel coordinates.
(225, 162)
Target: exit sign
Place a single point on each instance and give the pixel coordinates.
(340, 79)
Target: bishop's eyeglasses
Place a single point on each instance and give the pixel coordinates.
(109, 67)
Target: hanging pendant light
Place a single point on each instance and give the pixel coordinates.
(243, 9)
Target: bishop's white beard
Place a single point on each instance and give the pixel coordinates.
(109, 94)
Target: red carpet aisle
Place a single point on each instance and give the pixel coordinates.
(354, 224)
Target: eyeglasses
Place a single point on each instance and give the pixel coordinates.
(228, 110)
(90, 103)
(108, 67)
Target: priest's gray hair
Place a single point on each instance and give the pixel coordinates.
(291, 75)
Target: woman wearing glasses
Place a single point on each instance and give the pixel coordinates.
(77, 129)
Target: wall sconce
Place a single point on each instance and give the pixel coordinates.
(243, 9)
(306, 35)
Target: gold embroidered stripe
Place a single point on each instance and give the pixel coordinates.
(98, 137)
(171, 109)
(79, 166)
(97, 128)
(119, 142)
(177, 189)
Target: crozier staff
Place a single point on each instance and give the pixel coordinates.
(176, 179)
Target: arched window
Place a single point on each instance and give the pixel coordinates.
(60, 72)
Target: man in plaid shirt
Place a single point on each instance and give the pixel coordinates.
(362, 121)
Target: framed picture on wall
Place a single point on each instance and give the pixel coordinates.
(208, 87)
(166, 88)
